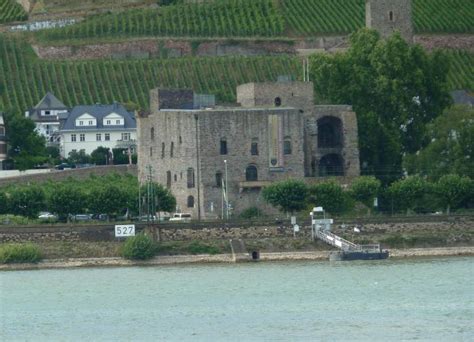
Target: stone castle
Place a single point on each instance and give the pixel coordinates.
(274, 132)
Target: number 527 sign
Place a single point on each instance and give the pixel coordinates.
(123, 230)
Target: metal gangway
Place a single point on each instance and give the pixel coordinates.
(320, 228)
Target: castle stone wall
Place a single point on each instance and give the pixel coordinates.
(388, 16)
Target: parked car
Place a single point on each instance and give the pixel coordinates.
(46, 215)
(181, 217)
(81, 217)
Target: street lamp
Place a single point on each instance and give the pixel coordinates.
(226, 193)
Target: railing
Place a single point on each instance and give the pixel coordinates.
(344, 244)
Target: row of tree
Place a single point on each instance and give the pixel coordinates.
(113, 195)
(405, 195)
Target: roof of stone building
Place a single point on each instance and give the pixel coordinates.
(49, 101)
(100, 111)
(462, 97)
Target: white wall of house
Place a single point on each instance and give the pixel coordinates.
(48, 113)
(46, 129)
(91, 139)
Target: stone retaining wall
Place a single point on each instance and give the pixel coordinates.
(218, 230)
(57, 175)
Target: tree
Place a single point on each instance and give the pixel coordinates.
(79, 157)
(289, 196)
(3, 203)
(155, 198)
(27, 147)
(365, 189)
(453, 190)
(101, 156)
(408, 193)
(395, 89)
(330, 196)
(26, 201)
(67, 200)
(450, 149)
(108, 199)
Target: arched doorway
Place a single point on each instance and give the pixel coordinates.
(329, 132)
(331, 165)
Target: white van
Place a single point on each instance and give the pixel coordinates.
(181, 217)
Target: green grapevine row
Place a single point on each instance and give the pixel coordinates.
(219, 18)
(24, 79)
(444, 16)
(10, 11)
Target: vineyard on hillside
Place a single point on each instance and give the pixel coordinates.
(226, 18)
(24, 79)
(263, 18)
(10, 11)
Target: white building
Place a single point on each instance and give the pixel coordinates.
(47, 116)
(89, 127)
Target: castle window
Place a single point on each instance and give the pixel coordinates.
(175, 177)
(180, 140)
(223, 146)
(152, 133)
(329, 132)
(190, 177)
(254, 149)
(287, 146)
(277, 102)
(251, 173)
(190, 202)
(390, 15)
(218, 179)
(172, 149)
(151, 151)
(168, 179)
(162, 150)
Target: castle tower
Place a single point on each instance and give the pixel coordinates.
(387, 16)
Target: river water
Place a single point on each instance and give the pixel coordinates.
(427, 299)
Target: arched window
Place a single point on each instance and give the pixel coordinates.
(287, 146)
(172, 149)
(223, 146)
(277, 102)
(219, 179)
(190, 177)
(168, 179)
(152, 133)
(190, 201)
(390, 15)
(251, 174)
(331, 165)
(329, 132)
(162, 150)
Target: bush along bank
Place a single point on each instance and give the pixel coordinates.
(19, 253)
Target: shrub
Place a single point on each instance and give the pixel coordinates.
(251, 213)
(19, 253)
(139, 247)
(197, 247)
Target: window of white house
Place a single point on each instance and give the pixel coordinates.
(107, 136)
(109, 122)
(82, 137)
(81, 123)
(117, 122)
(98, 137)
(91, 122)
(73, 137)
(47, 112)
(2, 131)
(125, 136)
